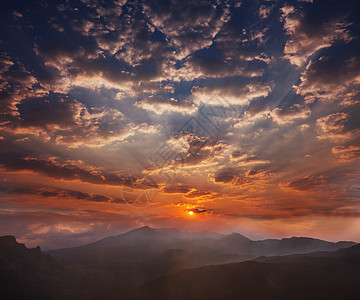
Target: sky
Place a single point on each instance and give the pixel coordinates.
(120, 114)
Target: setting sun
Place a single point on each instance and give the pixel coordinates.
(190, 212)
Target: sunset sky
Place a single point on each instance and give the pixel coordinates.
(119, 114)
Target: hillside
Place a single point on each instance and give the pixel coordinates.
(330, 276)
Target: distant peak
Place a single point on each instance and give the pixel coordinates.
(144, 228)
(295, 238)
(237, 236)
(140, 229)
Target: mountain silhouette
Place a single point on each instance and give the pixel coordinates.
(144, 243)
(148, 263)
(29, 274)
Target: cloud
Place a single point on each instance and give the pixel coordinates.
(65, 47)
(16, 84)
(346, 154)
(332, 78)
(214, 67)
(175, 189)
(51, 192)
(238, 154)
(231, 92)
(193, 148)
(310, 29)
(5, 62)
(333, 126)
(244, 45)
(52, 110)
(264, 11)
(307, 183)
(161, 105)
(197, 210)
(251, 160)
(66, 121)
(99, 198)
(54, 169)
(200, 195)
(189, 26)
(290, 114)
(198, 149)
(240, 178)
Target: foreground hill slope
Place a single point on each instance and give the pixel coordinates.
(29, 274)
(323, 276)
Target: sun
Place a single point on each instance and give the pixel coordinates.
(190, 212)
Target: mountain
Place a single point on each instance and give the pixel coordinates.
(142, 244)
(28, 273)
(324, 275)
(135, 246)
(174, 273)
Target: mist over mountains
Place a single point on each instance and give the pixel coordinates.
(148, 263)
(205, 248)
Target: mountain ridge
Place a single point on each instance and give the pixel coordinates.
(173, 275)
(143, 243)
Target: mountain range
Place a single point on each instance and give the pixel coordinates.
(148, 263)
(204, 248)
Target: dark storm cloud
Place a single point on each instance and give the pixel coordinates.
(51, 192)
(16, 162)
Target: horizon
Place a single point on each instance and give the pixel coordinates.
(208, 115)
